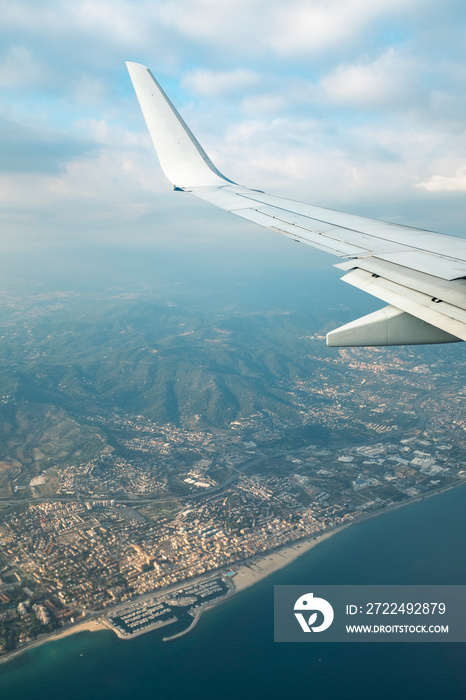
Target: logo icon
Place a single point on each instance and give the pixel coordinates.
(307, 603)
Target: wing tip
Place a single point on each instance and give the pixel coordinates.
(181, 157)
(135, 66)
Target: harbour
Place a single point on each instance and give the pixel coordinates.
(182, 604)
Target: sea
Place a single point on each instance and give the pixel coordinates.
(231, 653)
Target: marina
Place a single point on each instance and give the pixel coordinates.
(181, 605)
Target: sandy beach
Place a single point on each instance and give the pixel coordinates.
(249, 574)
(86, 626)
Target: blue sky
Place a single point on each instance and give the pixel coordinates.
(353, 104)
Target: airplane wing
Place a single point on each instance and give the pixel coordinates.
(421, 275)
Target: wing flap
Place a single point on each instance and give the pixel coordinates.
(433, 264)
(453, 291)
(449, 318)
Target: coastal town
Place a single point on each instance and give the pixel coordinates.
(168, 506)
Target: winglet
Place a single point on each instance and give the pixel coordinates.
(182, 158)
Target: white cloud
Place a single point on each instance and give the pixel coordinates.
(389, 80)
(213, 83)
(19, 67)
(446, 183)
(113, 181)
(121, 19)
(310, 27)
(88, 90)
(346, 103)
(297, 27)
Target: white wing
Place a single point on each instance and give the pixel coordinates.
(421, 275)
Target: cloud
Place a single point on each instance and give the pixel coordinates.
(387, 81)
(297, 28)
(30, 148)
(446, 183)
(212, 83)
(124, 21)
(19, 67)
(311, 27)
(346, 103)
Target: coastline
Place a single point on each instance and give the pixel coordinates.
(93, 625)
(252, 572)
(248, 573)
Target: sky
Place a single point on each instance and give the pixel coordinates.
(351, 104)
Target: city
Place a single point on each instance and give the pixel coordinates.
(163, 505)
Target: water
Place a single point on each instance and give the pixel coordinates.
(231, 653)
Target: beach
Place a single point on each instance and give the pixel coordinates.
(250, 573)
(85, 626)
